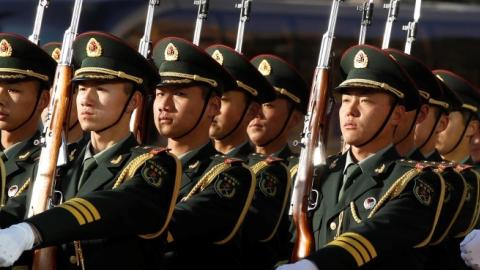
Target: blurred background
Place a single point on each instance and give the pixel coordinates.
(448, 32)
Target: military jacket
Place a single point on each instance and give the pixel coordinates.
(263, 237)
(21, 166)
(119, 214)
(242, 151)
(388, 210)
(290, 158)
(211, 208)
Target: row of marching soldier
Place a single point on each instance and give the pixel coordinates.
(83, 193)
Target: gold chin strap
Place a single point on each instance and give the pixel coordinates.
(15, 73)
(371, 83)
(120, 74)
(194, 77)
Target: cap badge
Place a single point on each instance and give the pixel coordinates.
(265, 67)
(5, 48)
(94, 49)
(360, 60)
(171, 52)
(218, 56)
(56, 54)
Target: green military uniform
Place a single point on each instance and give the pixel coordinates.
(213, 201)
(461, 97)
(117, 202)
(21, 60)
(373, 214)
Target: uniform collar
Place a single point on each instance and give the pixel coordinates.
(107, 154)
(371, 163)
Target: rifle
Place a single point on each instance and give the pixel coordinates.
(245, 9)
(393, 8)
(138, 120)
(35, 36)
(367, 14)
(43, 187)
(312, 143)
(411, 28)
(202, 15)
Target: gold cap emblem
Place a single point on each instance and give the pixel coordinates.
(265, 67)
(5, 48)
(171, 52)
(360, 60)
(94, 49)
(56, 54)
(218, 56)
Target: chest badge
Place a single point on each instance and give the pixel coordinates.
(12, 191)
(369, 203)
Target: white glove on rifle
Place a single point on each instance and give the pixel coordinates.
(14, 240)
(300, 265)
(470, 249)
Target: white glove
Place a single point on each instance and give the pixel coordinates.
(13, 241)
(470, 249)
(300, 265)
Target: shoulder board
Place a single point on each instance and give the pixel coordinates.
(419, 165)
(231, 160)
(463, 167)
(271, 159)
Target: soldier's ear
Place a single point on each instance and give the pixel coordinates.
(398, 115)
(472, 128)
(442, 123)
(213, 108)
(43, 100)
(135, 101)
(422, 114)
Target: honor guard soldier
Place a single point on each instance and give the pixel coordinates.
(267, 224)
(452, 220)
(26, 74)
(240, 104)
(215, 195)
(119, 196)
(374, 209)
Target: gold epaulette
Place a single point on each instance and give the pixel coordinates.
(293, 170)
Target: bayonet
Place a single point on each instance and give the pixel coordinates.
(411, 28)
(245, 9)
(35, 36)
(202, 15)
(393, 9)
(367, 15)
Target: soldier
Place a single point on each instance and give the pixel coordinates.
(373, 210)
(26, 73)
(119, 196)
(454, 142)
(214, 195)
(240, 104)
(432, 117)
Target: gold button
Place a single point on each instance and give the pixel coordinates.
(73, 259)
(333, 225)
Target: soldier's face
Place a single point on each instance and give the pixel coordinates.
(362, 114)
(17, 103)
(177, 109)
(100, 104)
(231, 110)
(450, 136)
(424, 129)
(269, 121)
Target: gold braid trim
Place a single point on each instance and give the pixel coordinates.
(206, 179)
(3, 175)
(474, 220)
(354, 213)
(129, 170)
(23, 188)
(455, 216)
(176, 189)
(395, 190)
(120, 74)
(284, 204)
(244, 212)
(258, 166)
(293, 170)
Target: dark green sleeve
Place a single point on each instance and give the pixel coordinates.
(141, 205)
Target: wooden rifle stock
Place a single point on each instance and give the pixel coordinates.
(45, 179)
(312, 154)
(304, 242)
